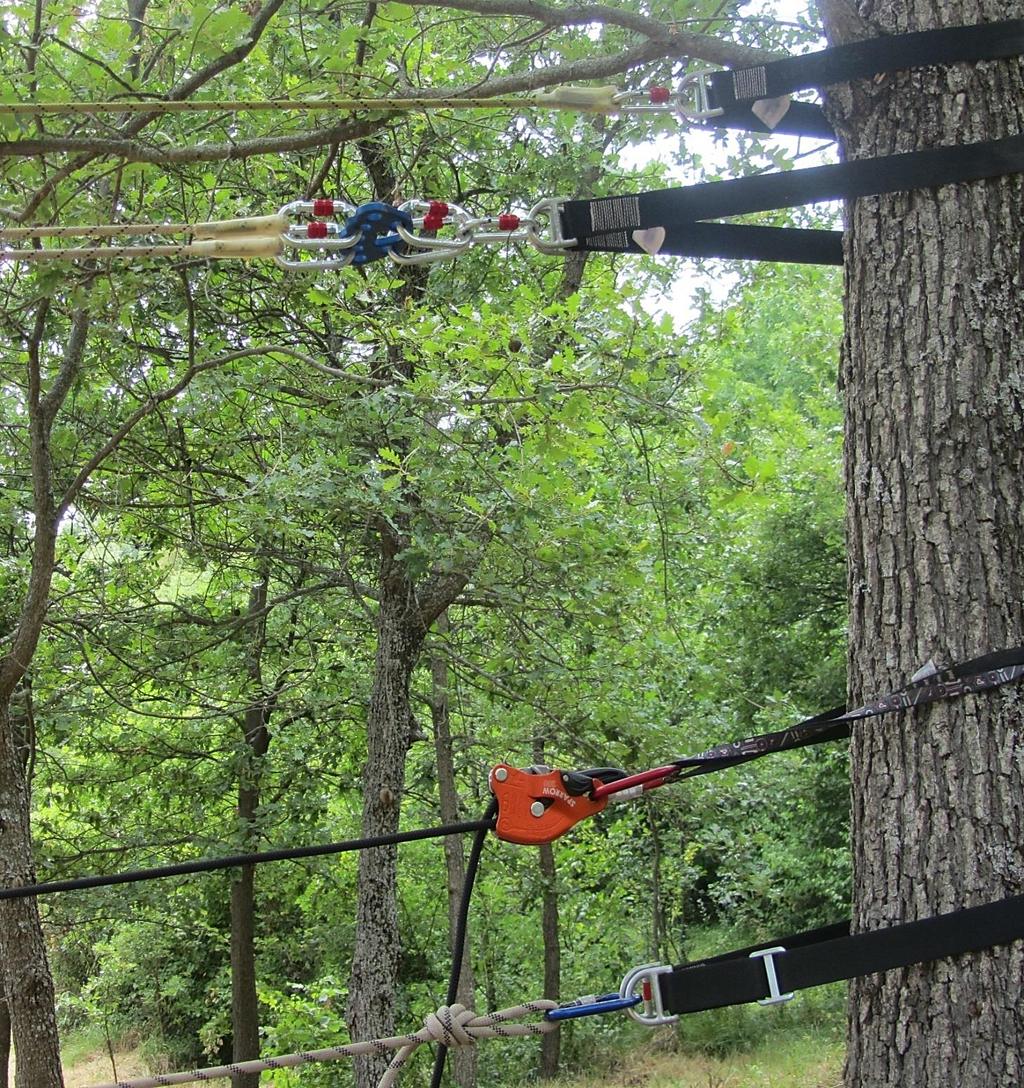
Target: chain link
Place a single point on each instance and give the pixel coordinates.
(333, 234)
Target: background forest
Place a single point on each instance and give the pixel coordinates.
(625, 529)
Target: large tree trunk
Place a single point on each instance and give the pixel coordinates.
(932, 372)
(463, 1057)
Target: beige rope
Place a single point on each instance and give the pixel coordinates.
(221, 248)
(579, 99)
(452, 1026)
(254, 225)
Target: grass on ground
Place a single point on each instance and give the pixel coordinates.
(788, 1062)
(86, 1060)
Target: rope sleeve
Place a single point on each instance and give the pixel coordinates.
(245, 248)
(254, 225)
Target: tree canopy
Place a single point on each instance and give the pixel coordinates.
(270, 533)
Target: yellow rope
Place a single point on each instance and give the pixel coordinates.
(579, 99)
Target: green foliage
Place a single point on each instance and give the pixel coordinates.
(648, 518)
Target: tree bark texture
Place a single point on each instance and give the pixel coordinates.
(374, 977)
(933, 384)
(245, 1012)
(28, 988)
(463, 1058)
(550, 1047)
(5, 1041)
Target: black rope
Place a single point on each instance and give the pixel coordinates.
(461, 926)
(206, 865)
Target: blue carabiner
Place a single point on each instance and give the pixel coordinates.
(592, 1006)
(376, 224)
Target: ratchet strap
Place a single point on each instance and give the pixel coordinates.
(756, 98)
(770, 974)
(930, 686)
(669, 220)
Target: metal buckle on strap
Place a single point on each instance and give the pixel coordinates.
(551, 241)
(651, 1012)
(698, 86)
(767, 955)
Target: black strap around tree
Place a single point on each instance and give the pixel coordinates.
(736, 91)
(618, 223)
(830, 954)
(866, 58)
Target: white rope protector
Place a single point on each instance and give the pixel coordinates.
(450, 1025)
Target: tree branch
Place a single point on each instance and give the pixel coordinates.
(134, 151)
(136, 124)
(437, 593)
(843, 23)
(33, 610)
(234, 623)
(148, 407)
(580, 71)
(674, 42)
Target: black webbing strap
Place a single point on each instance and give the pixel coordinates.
(867, 58)
(738, 242)
(979, 674)
(830, 954)
(608, 223)
(737, 91)
(800, 119)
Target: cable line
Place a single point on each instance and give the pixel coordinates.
(234, 861)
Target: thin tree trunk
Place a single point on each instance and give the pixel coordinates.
(551, 1047)
(463, 1058)
(27, 984)
(245, 1012)
(933, 368)
(657, 911)
(245, 1022)
(373, 980)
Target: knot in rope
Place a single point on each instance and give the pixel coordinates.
(448, 1026)
(455, 1025)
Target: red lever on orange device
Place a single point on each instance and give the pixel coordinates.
(536, 808)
